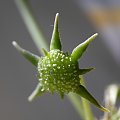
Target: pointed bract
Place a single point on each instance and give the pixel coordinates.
(80, 49)
(45, 52)
(82, 91)
(55, 40)
(84, 71)
(28, 55)
(37, 92)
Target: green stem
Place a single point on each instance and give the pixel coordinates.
(31, 24)
(87, 110)
(77, 103)
(39, 40)
(86, 106)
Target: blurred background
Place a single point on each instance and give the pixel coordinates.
(79, 19)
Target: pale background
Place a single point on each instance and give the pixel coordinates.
(18, 76)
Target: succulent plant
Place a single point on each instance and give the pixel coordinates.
(59, 71)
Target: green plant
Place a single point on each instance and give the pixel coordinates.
(58, 71)
(56, 68)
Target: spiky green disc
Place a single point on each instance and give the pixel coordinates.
(58, 73)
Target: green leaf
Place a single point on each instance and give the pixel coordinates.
(85, 94)
(84, 71)
(36, 93)
(55, 40)
(80, 49)
(28, 55)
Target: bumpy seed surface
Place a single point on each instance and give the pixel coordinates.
(57, 72)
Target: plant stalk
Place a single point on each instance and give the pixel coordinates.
(77, 103)
(32, 24)
(88, 114)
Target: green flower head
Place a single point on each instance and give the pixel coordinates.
(59, 71)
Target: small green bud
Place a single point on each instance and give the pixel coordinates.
(58, 71)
